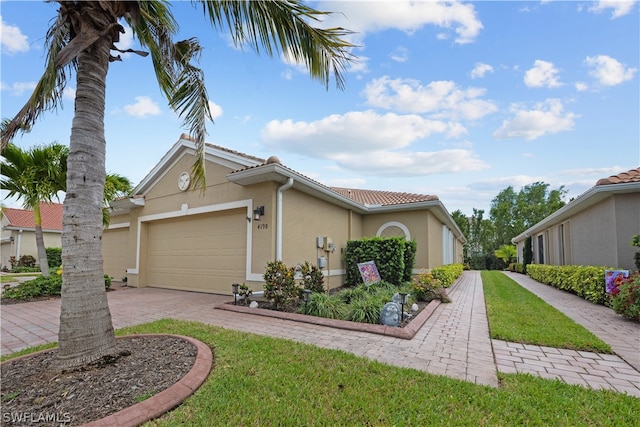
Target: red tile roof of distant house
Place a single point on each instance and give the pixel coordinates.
(51, 214)
(383, 198)
(622, 178)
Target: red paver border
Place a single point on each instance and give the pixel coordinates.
(407, 332)
(167, 399)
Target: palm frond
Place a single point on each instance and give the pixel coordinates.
(282, 26)
(47, 94)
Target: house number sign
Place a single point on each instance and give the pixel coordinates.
(263, 226)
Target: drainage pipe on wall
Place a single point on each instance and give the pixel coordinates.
(281, 190)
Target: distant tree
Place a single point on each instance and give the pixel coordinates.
(534, 203)
(502, 216)
(462, 221)
(35, 176)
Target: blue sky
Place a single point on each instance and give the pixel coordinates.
(455, 99)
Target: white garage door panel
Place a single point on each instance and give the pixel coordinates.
(201, 252)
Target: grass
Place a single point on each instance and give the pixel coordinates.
(12, 277)
(517, 315)
(259, 380)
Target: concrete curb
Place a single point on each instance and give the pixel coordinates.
(406, 333)
(167, 399)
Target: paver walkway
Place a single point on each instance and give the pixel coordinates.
(454, 341)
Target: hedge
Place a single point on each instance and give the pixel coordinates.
(585, 281)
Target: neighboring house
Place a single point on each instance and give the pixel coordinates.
(253, 212)
(594, 229)
(18, 231)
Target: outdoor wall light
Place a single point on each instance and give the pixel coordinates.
(235, 293)
(305, 295)
(258, 212)
(404, 298)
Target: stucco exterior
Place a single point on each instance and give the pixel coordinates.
(205, 241)
(18, 235)
(594, 229)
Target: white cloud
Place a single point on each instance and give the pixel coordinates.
(370, 143)
(442, 99)
(543, 74)
(400, 54)
(618, 8)
(480, 70)
(143, 106)
(403, 15)
(609, 71)
(353, 131)
(11, 38)
(411, 163)
(581, 86)
(216, 110)
(69, 93)
(19, 88)
(547, 118)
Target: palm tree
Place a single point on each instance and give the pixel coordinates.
(115, 186)
(81, 39)
(36, 175)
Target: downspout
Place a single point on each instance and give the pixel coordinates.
(281, 190)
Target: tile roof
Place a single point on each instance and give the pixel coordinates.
(622, 178)
(51, 214)
(384, 198)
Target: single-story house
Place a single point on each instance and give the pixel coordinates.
(255, 211)
(18, 236)
(594, 229)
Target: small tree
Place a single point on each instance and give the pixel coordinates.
(506, 253)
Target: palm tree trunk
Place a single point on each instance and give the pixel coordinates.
(42, 253)
(86, 330)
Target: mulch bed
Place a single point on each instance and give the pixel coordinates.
(33, 388)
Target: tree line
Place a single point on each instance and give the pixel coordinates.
(489, 238)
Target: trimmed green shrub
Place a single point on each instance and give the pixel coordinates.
(517, 267)
(54, 257)
(41, 287)
(394, 258)
(447, 274)
(587, 282)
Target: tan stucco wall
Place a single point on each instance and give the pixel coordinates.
(115, 251)
(304, 219)
(26, 242)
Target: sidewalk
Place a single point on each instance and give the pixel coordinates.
(454, 341)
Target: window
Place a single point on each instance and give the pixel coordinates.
(541, 249)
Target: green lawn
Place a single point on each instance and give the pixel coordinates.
(259, 380)
(517, 315)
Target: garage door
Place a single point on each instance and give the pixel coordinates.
(205, 253)
(115, 250)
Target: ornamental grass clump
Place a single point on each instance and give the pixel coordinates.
(325, 305)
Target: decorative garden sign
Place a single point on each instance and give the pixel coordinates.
(369, 272)
(612, 279)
